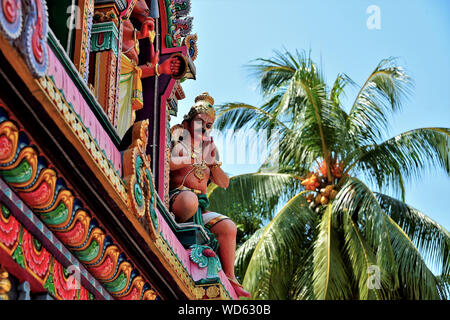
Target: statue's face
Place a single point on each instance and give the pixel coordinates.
(200, 127)
(141, 11)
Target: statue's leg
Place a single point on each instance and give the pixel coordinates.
(225, 232)
(184, 205)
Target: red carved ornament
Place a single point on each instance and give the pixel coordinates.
(37, 261)
(9, 231)
(38, 49)
(10, 10)
(5, 148)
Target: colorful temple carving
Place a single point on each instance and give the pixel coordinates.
(86, 95)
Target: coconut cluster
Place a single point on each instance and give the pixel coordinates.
(317, 181)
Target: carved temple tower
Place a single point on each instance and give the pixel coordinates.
(83, 205)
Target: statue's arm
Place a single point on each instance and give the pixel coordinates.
(179, 157)
(219, 177)
(147, 70)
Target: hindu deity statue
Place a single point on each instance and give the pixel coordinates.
(131, 73)
(193, 165)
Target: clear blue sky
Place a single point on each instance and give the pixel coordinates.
(233, 32)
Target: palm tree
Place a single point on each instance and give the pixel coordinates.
(338, 236)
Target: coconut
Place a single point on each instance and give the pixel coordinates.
(333, 194)
(318, 199)
(323, 200)
(328, 189)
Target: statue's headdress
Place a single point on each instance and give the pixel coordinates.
(203, 104)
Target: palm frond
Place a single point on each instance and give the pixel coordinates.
(259, 193)
(276, 72)
(302, 282)
(280, 251)
(330, 280)
(432, 240)
(290, 153)
(298, 81)
(314, 125)
(337, 90)
(397, 256)
(362, 259)
(417, 281)
(358, 201)
(380, 96)
(244, 253)
(339, 116)
(405, 156)
(239, 115)
(298, 108)
(444, 286)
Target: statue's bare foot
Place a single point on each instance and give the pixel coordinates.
(239, 289)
